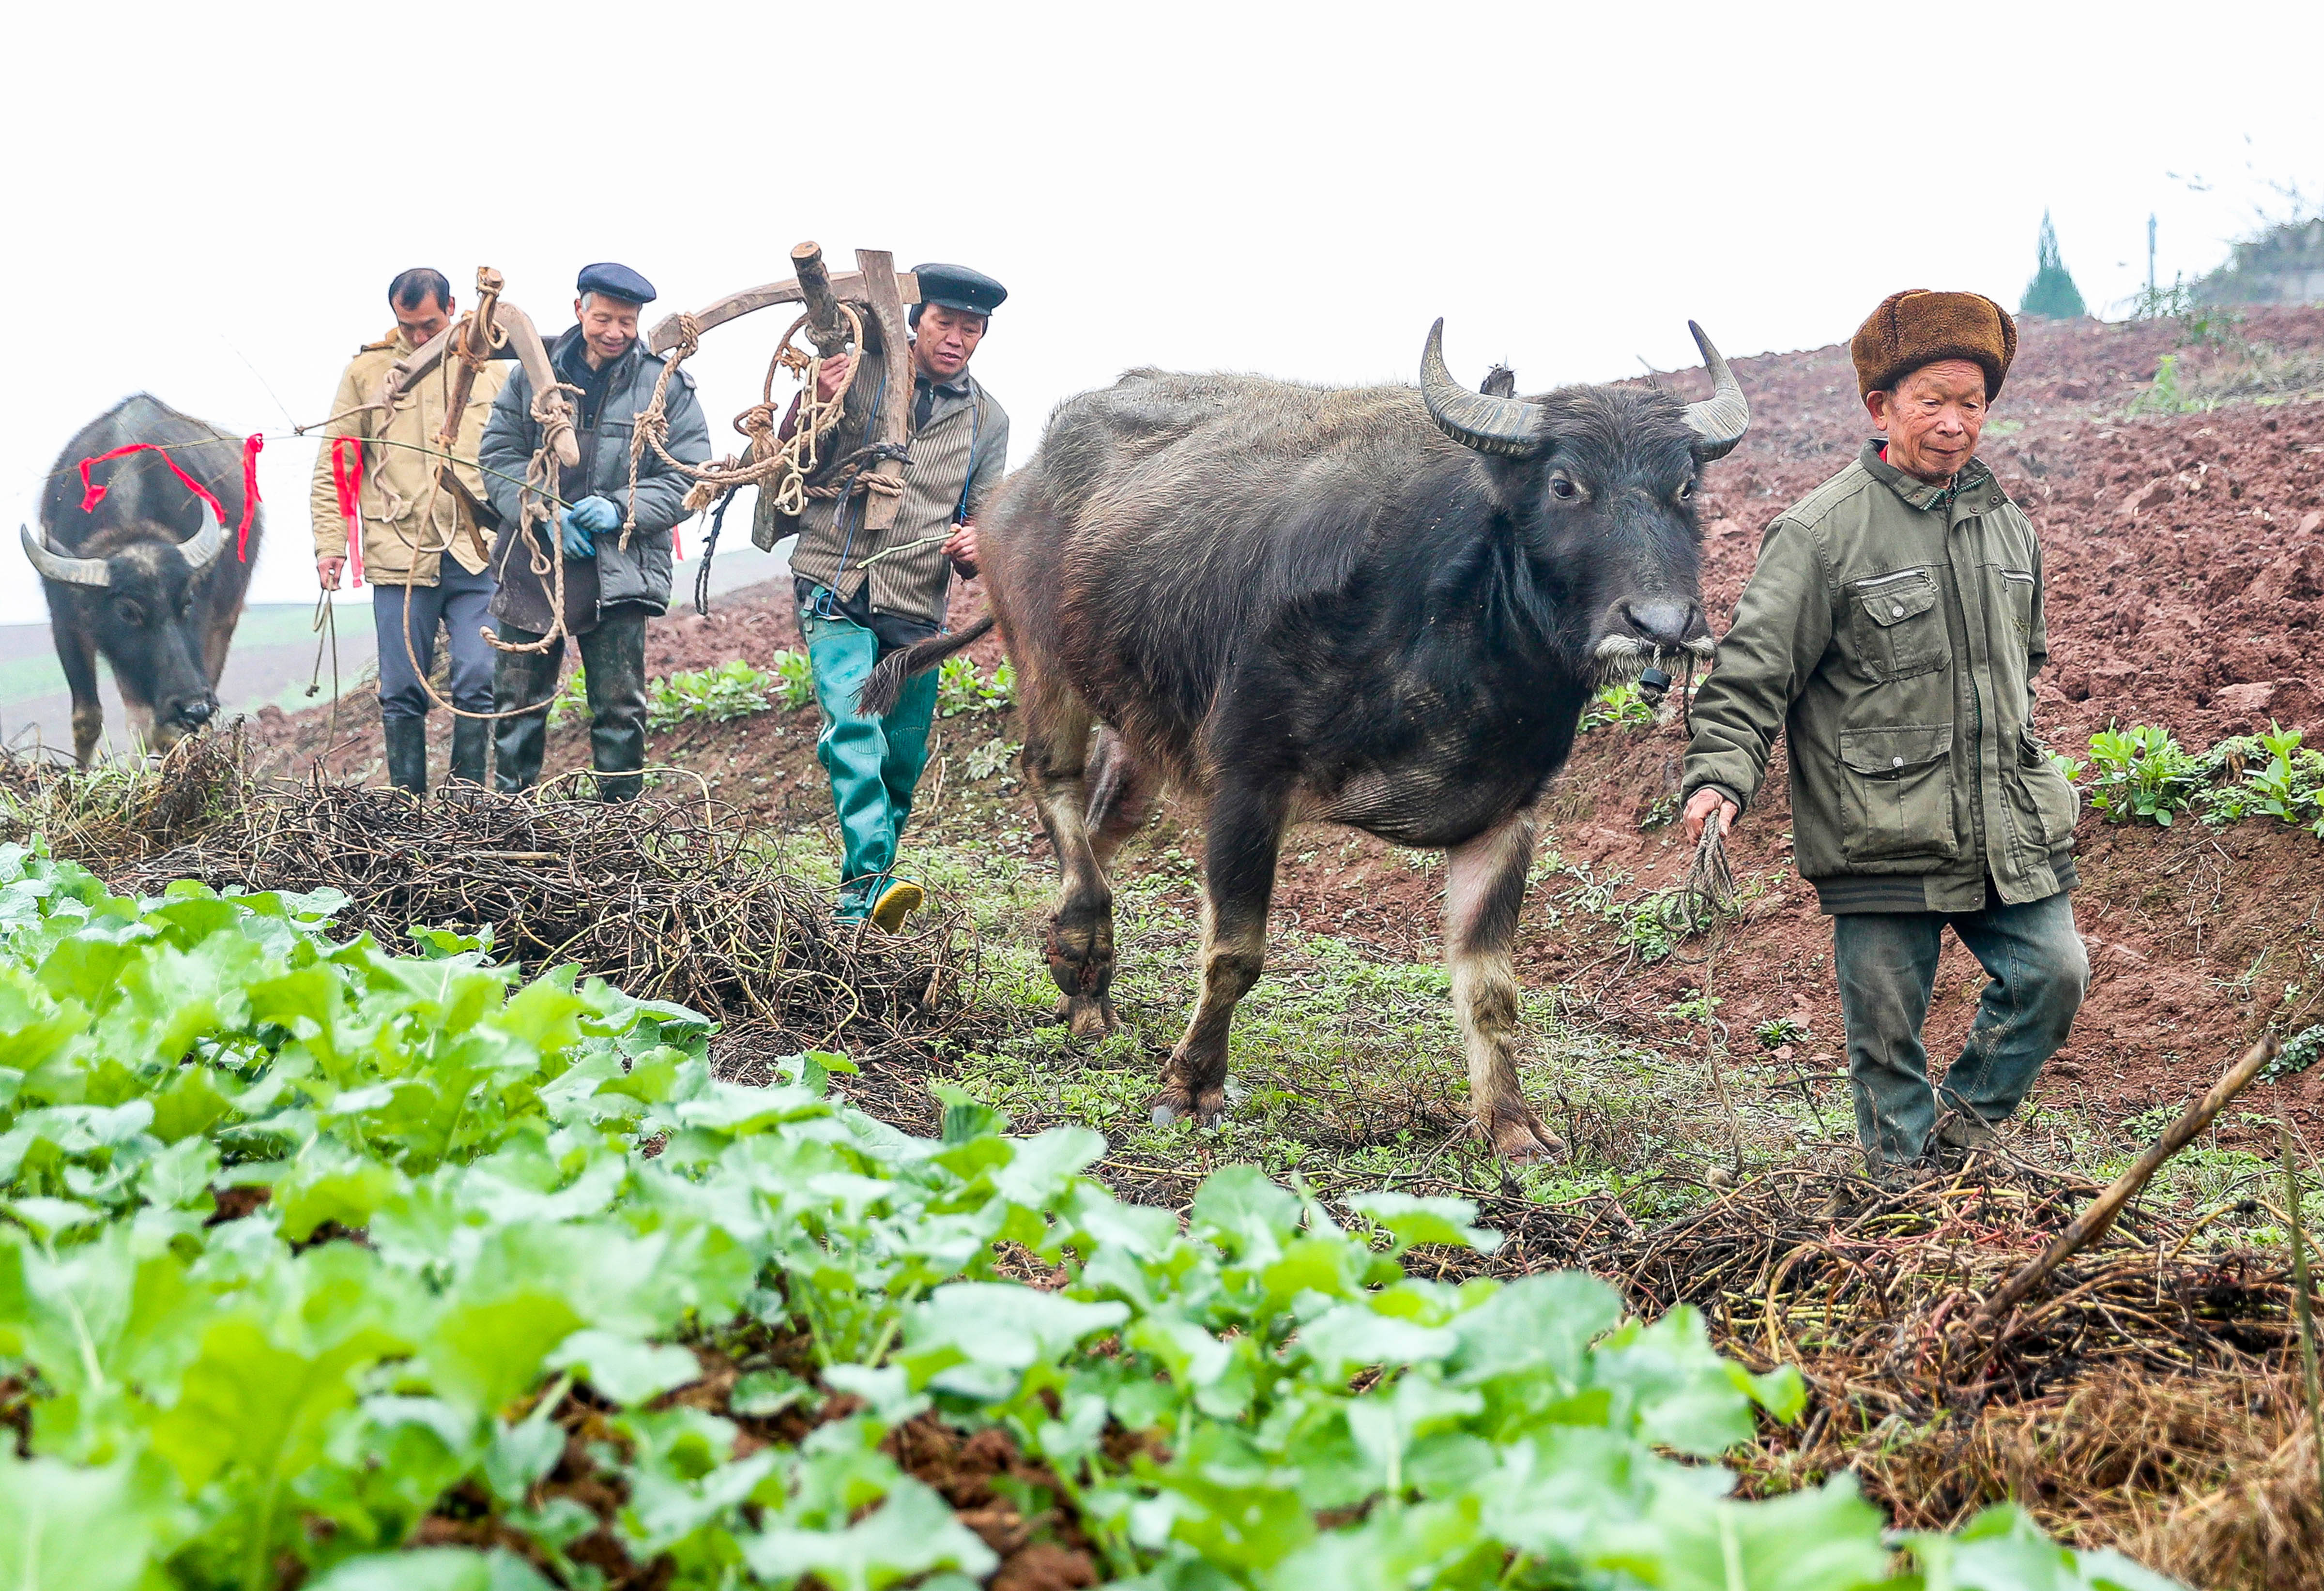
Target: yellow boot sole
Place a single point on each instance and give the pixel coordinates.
(900, 900)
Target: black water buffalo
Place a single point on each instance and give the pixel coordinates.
(1380, 607)
(140, 578)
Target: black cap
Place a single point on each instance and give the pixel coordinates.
(615, 281)
(956, 286)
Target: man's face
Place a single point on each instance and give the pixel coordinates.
(1932, 417)
(947, 338)
(609, 325)
(421, 324)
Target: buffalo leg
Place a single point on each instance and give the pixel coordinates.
(1484, 888)
(1121, 796)
(76, 655)
(1080, 941)
(1242, 835)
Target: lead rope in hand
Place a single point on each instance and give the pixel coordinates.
(1708, 896)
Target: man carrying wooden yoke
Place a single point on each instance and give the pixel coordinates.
(1891, 630)
(616, 544)
(377, 494)
(864, 593)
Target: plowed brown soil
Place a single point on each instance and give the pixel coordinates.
(2185, 564)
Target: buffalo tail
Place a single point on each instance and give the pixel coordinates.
(880, 693)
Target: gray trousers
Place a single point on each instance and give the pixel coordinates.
(1886, 962)
(457, 602)
(614, 677)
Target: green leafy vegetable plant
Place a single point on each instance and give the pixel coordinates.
(1617, 705)
(2280, 778)
(2144, 775)
(312, 1253)
(962, 688)
(735, 689)
(794, 681)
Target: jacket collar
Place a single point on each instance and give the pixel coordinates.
(570, 357)
(1973, 491)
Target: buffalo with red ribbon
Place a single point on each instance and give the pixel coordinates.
(134, 554)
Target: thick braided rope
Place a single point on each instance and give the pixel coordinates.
(555, 421)
(787, 465)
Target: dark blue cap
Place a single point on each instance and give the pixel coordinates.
(615, 281)
(956, 286)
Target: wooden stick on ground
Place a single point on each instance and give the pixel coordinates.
(2088, 1227)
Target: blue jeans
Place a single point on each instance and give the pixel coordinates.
(874, 763)
(458, 602)
(1886, 962)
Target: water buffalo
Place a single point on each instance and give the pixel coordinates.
(140, 577)
(1380, 607)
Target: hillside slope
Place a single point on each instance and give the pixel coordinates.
(2186, 587)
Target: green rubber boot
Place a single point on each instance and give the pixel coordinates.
(874, 764)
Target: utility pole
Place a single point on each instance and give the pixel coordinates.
(2150, 257)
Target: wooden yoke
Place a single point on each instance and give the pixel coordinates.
(849, 286)
(893, 424)
(473, 348)
(823, 327)
(874, 285)
(516, 329)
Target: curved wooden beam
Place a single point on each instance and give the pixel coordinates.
(531, 353)
(849, 285)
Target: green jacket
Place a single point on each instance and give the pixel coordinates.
(1892, 630)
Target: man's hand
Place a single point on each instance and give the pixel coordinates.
(832, 371)
(328, 568)
(580, 525)
(960, 547)
(1698, 810)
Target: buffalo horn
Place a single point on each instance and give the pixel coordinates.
(64, 571)
(1507, 425)
(200, 549)
(1721, 419)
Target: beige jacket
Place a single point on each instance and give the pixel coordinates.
(400, 546)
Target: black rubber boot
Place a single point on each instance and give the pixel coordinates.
(407, 754)
(470, 736)
(613, 657)
(521, 679)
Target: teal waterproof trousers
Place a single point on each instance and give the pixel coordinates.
(874, 763)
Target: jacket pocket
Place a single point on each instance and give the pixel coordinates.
(1899, 630)
(2018, 594)
(1896, 795)
(2048, 804)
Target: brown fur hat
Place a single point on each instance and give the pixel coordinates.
(1917, 327)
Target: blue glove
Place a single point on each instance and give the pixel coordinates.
(579, 525)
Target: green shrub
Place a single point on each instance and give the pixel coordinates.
(794, 681)
(314, 1250)
(1778, 1031)
(2143, 774)
(1617, 705)
(2274, 776)
(961, 687)
(735, 689)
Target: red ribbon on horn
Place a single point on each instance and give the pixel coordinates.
(91, 494)
(346, 480)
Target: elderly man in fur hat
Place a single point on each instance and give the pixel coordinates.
(1891, 630)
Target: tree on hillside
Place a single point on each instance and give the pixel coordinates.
(2052, 294)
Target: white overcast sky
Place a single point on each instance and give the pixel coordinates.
(207, 200)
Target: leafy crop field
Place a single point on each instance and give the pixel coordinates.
(327, 1264)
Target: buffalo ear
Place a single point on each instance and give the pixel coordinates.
(1500, 381)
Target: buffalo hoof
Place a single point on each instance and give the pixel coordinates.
(1522, 1141)
(1207, 1109)
(1090, 1016)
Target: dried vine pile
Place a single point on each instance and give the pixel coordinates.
(2164, 1382)
(660, 897)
